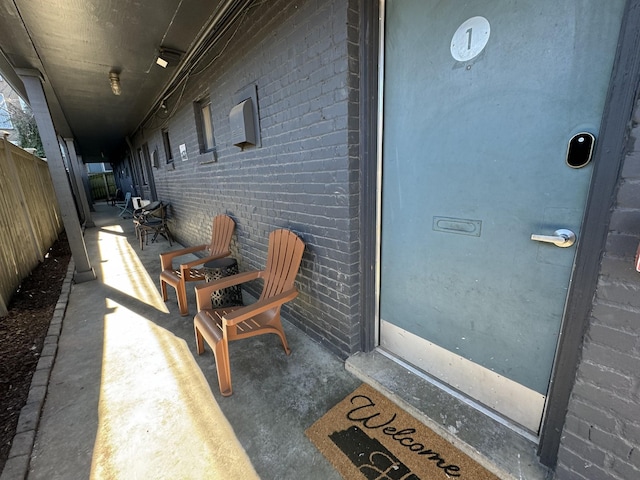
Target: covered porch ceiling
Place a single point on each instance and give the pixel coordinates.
(76, 44)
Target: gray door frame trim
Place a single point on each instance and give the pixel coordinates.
(368, 124)
(608, 159)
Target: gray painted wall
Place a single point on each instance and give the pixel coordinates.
(303, 177)
(601, 437)
(303, 58)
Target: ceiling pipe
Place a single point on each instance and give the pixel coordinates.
(186, 66)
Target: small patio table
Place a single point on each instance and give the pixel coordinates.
(216, 269)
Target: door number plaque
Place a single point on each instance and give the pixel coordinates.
(470, 39)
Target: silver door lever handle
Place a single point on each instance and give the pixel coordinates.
(561, 238)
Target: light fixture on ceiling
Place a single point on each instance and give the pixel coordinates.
(114, 79)
(168, 57)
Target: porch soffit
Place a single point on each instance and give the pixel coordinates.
(76, 44)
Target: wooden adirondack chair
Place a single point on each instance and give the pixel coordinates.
(222, 230)
(220, 326)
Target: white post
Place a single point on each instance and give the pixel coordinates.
(32, 83)
(77, 174)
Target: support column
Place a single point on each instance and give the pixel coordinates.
(32, 81)
(77, 175)
(70, 168)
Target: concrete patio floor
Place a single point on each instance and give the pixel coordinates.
(127, 396)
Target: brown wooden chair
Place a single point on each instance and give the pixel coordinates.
(220, 326)
(221, 233)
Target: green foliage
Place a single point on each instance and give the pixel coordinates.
(25, 124)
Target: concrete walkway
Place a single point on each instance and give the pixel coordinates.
(127, 397)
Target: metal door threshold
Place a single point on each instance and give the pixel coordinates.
(503, 448)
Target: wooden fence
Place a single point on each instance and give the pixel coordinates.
(30, 219)
(103, 185)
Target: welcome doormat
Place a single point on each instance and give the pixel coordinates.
(366, 436)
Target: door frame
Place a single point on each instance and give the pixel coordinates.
(608, 158)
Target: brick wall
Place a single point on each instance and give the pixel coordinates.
(302, 56)
(601, 438)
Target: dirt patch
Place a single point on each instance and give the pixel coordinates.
(22, 334)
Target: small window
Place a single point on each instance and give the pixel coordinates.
(5, 118)
(204, 126)
(167, 146)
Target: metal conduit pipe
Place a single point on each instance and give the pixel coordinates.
(230, 7)
(227, 22)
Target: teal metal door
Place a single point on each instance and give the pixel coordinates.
(482, 101)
